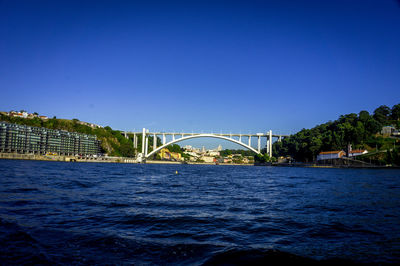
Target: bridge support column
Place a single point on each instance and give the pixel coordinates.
(126, 135)
(249, 141)
(280, 138)
(163, 139)
(259, 144)
(146, 146)
(270, 143)
(135, 139)
(143, 140)
(173, 137)
(240, 138)
(154, 142)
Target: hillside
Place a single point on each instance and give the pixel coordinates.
(362, 131)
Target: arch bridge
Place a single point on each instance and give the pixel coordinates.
(177, 137)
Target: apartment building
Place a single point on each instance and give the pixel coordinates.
(37, 140)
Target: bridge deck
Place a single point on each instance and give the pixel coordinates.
(216, 134)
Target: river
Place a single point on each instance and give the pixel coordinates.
(94, 213)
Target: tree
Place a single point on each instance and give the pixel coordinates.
(363, 116)
(395, 112)
(266, 157)
(174, 148)
(381, 114)
(372, 126)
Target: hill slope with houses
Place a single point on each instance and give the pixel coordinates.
(372, 137)
(113, 142)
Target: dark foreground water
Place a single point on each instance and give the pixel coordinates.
(89, 213)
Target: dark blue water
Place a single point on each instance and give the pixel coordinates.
(92, 213)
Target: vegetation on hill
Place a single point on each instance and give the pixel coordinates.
(227, 152)
(361, 130)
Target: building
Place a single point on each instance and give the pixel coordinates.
(165, 154)
(193, 155)
(353, 153)
(388, 130)
(326, 155)
(227, 160)
(89, 124)
(188, 148)
(38, 140)
(212, 153)
(208, 159)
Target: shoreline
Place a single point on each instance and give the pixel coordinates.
(62, 158)
(59, 158)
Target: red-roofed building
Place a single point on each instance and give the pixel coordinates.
(326, 155)
(353, 153)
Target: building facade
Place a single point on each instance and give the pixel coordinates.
(353, 153)
(326, 155)
(38, 140)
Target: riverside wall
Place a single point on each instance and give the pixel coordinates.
(60, 158)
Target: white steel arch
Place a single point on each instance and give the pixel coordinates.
(202, 136)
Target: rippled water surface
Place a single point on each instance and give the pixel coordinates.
(93, 213)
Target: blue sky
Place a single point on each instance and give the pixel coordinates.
(221, 66)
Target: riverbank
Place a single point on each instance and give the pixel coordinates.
(107, 159)
(103, 159)
(305, 165)
(59, 158)
(191, 163)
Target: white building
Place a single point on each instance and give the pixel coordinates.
(213, 153)
(207, 159)
(353, 153)
(188, 148)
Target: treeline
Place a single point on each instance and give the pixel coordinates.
(227, 152)
(360, 130)
(112, 141)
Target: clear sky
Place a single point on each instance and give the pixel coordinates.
(221, 66)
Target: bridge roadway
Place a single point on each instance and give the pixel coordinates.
(180, 136)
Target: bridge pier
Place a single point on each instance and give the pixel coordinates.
(259, 144)
(154, 142)
(143, 140)
(146, 146)
(270, 143)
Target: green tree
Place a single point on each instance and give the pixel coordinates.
(395, 112)
(174, 148)
(363, 116)
(381, 114)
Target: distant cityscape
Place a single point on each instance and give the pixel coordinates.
(202, 155)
